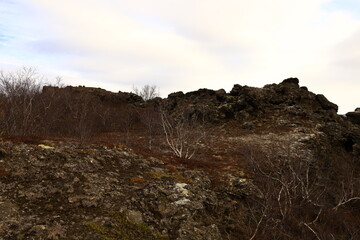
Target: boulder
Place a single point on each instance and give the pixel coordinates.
(291, 81)
(236, 90)
(354, 117)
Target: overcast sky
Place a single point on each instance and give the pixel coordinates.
(184, 45)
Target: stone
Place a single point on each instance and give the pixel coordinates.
(326, 104)
(236, 90)
(354, 117)
(176, 95)
(180, 187)
(182, 201)
(135, 216)
(45, 146)
(292, 81)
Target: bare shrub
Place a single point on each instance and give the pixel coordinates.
(127, 119)
(18, 91)
(147, 92)
(82, 111)
(286, 188)
(294, 196)
(150, 118)
(182, 135)
(70, 112)
(108, 117)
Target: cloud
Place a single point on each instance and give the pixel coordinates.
(348, 6)
(185, 45)
(4, 38)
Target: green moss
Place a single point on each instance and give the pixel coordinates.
(125, 229)
(158, 175)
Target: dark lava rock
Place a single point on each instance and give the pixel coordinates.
(326, 104)
(52, 192)
(354, 117)
(244, 104)
(176, 95)
(236, 90)
(3, 153)
(291, 81)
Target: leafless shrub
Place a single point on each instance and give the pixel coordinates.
(70, 112)
(285, 185)
(181, 135)
(147, 92)
(293, 199)
(108, 117)
(18, 91)
(348, 185)
(129, 116)
(150, 118)
(82, 111)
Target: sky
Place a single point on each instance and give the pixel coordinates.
(184, 45)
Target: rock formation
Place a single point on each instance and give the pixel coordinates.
(276, 162)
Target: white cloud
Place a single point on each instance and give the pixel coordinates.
(185, 45)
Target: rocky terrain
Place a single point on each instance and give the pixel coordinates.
(52, 191)
(276, 162)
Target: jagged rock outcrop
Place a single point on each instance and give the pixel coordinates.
(244, 102)
(283, 105)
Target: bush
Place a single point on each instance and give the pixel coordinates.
(18, 91)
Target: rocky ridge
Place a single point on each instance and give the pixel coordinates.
(275, 106)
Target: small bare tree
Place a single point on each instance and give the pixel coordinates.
(147, 92)
(348, 191)
(181, 135)
(128, 119)
(150, 117)
(293, 189)
(287, 188)
(19, 90)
